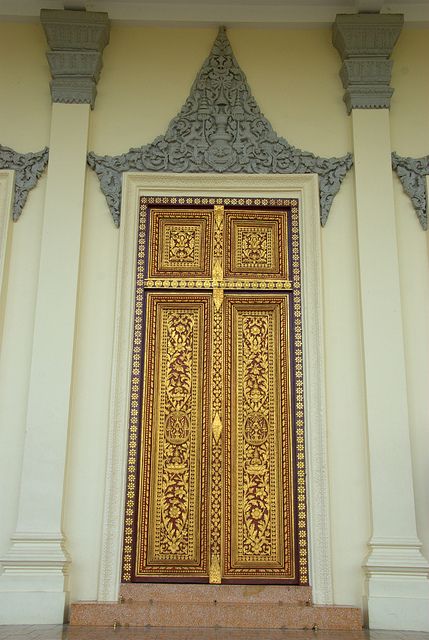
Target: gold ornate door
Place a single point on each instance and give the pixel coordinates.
(216, 472)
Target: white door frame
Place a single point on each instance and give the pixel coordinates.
(305, 188)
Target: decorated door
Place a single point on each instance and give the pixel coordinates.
(216, 471)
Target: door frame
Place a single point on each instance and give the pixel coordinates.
(304, 187)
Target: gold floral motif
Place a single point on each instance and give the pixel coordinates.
(254, 248)
(182, 246)
(174, 493)
(257, 508)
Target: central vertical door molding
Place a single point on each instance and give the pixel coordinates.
(304, 188)
(215, 574)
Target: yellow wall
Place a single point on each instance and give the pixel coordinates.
(24, 126)
(410, 137)
(303, 101)
(146, 77)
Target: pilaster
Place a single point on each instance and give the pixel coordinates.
(33, 582)
(397, 585)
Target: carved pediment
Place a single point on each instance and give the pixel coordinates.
(220, 129)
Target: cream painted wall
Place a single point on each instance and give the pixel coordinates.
(410, 137)
(161, 78)
(84, 494)
(25, 106)
(146, 78)
(24, 126)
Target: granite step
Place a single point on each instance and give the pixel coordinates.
(200, 614)
(215, 593)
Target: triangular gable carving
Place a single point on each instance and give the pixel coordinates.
(220, 129)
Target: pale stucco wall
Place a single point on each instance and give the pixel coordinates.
(146, 78)
(24, 126)
(410, 137)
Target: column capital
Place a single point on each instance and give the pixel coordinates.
(77, 40)
(365, 42)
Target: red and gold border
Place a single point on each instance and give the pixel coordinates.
(292, 283)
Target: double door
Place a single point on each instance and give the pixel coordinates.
(216, 485)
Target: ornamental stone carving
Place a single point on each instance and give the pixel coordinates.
(412, 173)
(77, 40)
(28, 168)
(220, 129)
(365, 42)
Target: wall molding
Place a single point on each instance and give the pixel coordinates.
(412, 173)
(305, 188)
(220, 129)
(28, 168)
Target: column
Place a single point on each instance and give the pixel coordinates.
(33, 582)
(397, 586)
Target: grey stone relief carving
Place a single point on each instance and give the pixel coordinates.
(412, 173)
(220, 129)
(77, 40)
(28, 168)
(365, 42)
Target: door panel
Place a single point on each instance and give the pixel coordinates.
(172, 522)
(216, 479)
(256, 244)
(258, 481)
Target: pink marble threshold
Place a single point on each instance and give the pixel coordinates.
(60, 632)
(215, 606)
(210, 593)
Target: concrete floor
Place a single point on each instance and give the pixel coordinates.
(59, 632)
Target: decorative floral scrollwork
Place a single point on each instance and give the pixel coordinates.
(412, 173)
(256, 451)
(28, 168)
(220, 129)
(174, 502)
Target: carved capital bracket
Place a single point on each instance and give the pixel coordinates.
(77, 40)
(412, 173)
(220, 129)
(28, 168)
(365, 42)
